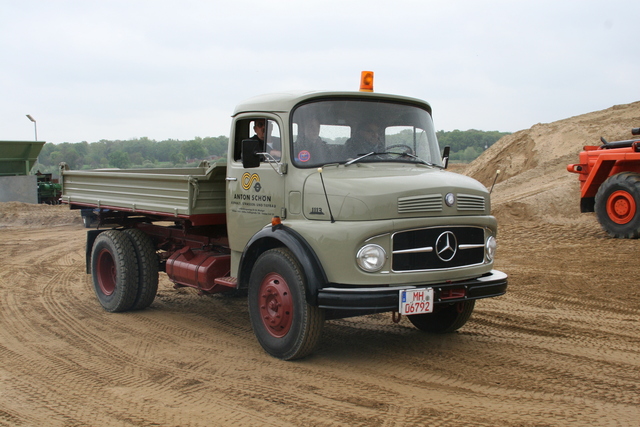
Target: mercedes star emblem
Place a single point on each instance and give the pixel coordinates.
(446, 246)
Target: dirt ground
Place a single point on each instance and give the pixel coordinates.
(562, 347)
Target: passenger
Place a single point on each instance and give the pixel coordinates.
(366, 139)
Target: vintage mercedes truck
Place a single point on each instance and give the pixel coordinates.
(338, 206)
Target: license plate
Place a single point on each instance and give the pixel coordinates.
(416, 301)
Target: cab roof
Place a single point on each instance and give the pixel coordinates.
(286, 101)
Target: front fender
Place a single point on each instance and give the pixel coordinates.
(282, 236)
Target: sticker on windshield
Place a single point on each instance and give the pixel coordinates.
(304, 156)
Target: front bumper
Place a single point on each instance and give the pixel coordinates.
(342, 301)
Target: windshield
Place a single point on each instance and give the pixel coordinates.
(355, 130)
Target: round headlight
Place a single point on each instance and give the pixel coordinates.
(490, 248)
(371, 258)
(449, 199)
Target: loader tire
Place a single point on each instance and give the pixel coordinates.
(617, 205)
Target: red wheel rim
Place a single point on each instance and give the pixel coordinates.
(621, 207)
(106, 272)
(276, 305)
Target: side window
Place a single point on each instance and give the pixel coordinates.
(259, 128)
(273, 139)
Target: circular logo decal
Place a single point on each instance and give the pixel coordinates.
(304, 156)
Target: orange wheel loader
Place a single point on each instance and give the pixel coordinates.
(609, 177)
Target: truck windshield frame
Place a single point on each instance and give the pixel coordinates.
(339, 130)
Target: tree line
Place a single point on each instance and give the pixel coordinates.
(138, 152)
(467, 145)
(149, 153)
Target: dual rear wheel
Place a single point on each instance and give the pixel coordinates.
(124, 269)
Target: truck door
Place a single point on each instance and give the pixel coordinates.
(254, 195)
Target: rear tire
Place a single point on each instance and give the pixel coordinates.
(147, 268)
(286, 326)
(114, 270)
(617, 205)
(444, 319)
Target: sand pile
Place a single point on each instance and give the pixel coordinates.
(534, 184)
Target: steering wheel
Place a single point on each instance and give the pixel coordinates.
(408, 150)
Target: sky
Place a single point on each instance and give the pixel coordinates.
(90, 70)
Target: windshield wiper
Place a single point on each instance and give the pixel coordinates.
(424, 162)
(360, 158)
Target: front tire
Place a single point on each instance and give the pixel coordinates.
(114, 270)
(286, 326)
(445, 318)
(617, 205)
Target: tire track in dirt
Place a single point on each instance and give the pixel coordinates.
(451, 389)
(34, 247)
(60, 282)
(88, 378)
(151, 375)
(580, 360)
(35, 357)
(523, 336)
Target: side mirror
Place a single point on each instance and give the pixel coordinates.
(445, 156)
(250, 156)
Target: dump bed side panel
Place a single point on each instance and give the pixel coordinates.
(175, 192)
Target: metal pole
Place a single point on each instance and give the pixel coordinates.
(35, 125)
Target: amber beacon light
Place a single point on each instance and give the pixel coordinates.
(366, 81)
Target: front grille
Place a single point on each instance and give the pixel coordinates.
(437, 248)
(468, 202)
(426, 203)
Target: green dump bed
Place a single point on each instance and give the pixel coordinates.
(196, 194)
